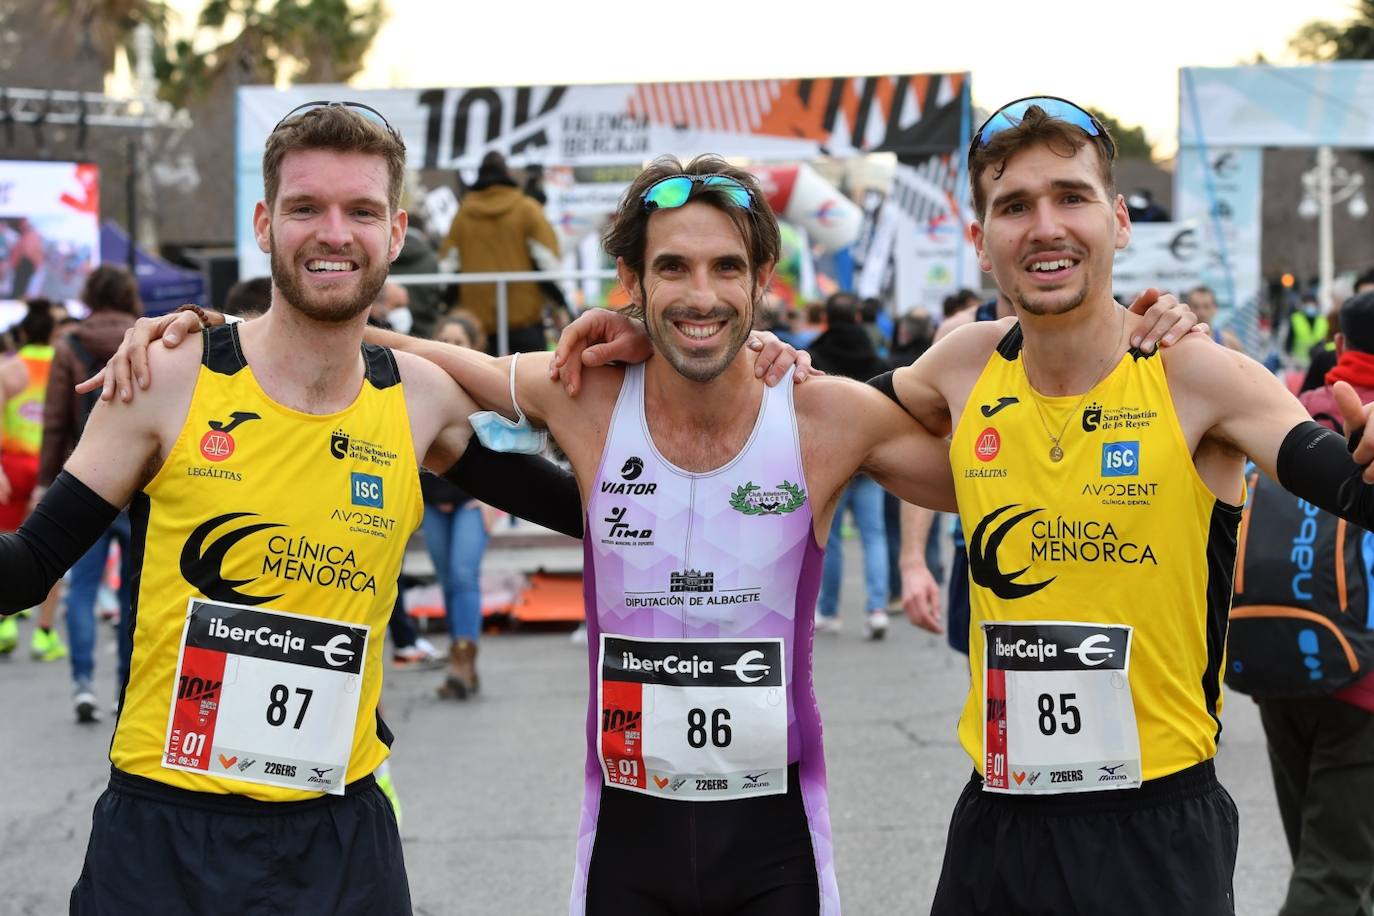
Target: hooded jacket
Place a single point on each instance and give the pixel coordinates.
(493, 232)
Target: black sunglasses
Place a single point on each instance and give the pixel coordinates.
(367, 111)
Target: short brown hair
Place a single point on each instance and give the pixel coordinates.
(1036, 127)
(111, 289)
(337, 128)
(627, 232)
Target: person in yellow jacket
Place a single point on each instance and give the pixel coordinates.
(500, 229)
(23, 383)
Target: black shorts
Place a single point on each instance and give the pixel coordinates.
(155, 849)
(657, 857)
(1165, 849)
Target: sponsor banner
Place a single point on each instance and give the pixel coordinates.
(583, 126)
(919, 238)
(49, 232)
(1169, 256)
(1218, 190)
(698, 663)
(1317, 105)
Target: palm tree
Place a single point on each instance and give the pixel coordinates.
(104, 27)
(261, 40)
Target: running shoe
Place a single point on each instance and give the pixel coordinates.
(9, 635)
(383, 776)
(876, 624)
(421, 656)
(46, 647)
(83, 702)
(828, 624)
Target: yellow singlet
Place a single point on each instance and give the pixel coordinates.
(1121, 531)
(264, 507)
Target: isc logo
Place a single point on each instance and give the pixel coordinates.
(1120, 459)
(367, 490)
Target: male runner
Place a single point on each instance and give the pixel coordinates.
(1100, 489)
(708, 498)
(273, 470)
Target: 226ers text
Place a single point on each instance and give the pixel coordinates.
(693, 719)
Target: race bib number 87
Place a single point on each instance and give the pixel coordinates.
(266, 696)
(693, 719)
(1058, 714)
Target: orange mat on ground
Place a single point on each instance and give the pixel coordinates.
(550, 598)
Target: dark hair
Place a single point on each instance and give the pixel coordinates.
(1365, 279)
(1357, 322)
(870, 308)
(468, 322)
(1036, 127)
(342, 130)
(249, 298)
(625, 235)
(841, 308)
(37, 326)
(111, 289)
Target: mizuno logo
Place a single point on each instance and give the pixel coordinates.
(320, 772)
(754, 779)
(991, 409)
(748, 668)
(982, 557)
(1111, 771)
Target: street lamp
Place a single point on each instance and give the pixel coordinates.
(1323, 186)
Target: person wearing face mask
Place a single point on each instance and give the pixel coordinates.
(1307, 327)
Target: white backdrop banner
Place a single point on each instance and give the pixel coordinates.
(767, 120)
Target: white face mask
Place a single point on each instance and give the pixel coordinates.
(502, 435)
(400, 320)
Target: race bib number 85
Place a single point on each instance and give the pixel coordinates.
(1058, 714)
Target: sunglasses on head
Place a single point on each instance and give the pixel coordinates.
(676, 190)
(1011, 114)
(366, 111)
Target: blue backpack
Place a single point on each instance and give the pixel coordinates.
(1302, 617)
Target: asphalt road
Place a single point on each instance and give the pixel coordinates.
(491, 788)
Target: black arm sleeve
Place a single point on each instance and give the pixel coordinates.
(64, 525)
(531, 487)
(1315, 464)
(884, 384)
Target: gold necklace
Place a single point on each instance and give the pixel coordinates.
(1057, 453)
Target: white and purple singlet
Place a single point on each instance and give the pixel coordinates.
(700, 591)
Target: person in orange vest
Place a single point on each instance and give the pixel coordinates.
(24, 381)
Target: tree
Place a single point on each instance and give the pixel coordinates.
(105, 27)
(1326, 40)
(1131, 142)
(260, 41)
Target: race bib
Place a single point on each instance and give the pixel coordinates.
(266, 696)
(1058, 715)
(694, 719)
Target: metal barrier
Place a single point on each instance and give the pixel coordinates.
(501, 280)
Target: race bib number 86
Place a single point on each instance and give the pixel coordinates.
(697, 719)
